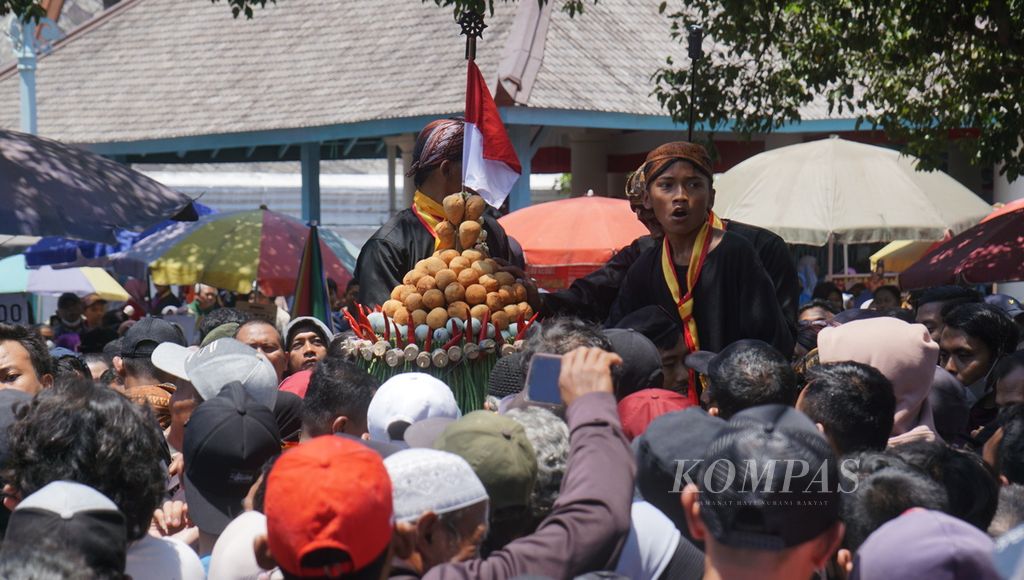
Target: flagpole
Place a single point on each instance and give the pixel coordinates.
(473, 26)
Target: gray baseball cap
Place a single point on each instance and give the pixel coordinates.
(217, 364)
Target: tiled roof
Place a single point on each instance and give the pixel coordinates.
(158, 69)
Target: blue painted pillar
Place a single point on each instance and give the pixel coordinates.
(25, 48)
(521, 136)
(309, 156)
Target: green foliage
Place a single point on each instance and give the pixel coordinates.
(32, 8)
(922, 70)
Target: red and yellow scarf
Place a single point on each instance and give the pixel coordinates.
(684, 302)
(429, 212)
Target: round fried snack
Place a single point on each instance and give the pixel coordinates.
(390, 307)
(500, 320)
(483, 267)
(396, 293)
(476, 294)
(419, 317)
(475, 206)
(445, 236)
(521, 295)
(437, 318)
(504, 278)
(413, 301)
(473, 255)
(494, 302)
(405, 292)
(401, 315)
(469, 233)
(526, 310)
(448, 255)
(458, 310)
(433, 299)
(468, 277)
(413, 276)
(435, 265)
(479, 311)
(445, 277)
(426, 283)
(455, 292)
(507, 295)
(488, 282)
(512, 310)
(458, 264)
(454, 207)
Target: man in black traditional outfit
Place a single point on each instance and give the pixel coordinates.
(409, 236)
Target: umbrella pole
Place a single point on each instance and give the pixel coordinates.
(831, 252)
(846, 258)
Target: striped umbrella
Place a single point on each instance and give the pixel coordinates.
(311, 297)
(234, 250)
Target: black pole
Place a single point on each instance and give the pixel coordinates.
(473, 26)
(696, 53)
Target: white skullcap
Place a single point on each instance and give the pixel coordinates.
(408, 397)
(425, 480)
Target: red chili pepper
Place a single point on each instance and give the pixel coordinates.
(430, 339)
(355, 325)
(387, 329)
(483, 325)
(455, 339)
(522, 331)
(399, 339)
(412, 332)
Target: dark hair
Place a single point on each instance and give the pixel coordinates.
(110, 376)
(71, 365)
(259, 498)
(68, 299)
(78, 431)
(818, 303)
(970, 483)
(825, 289)
(883, 496)
(952, 296)
(143, 368)
(987, 323)
(260, 322)
(854, 402)
(1011, 449)
(895, 291)
(336, 388)
(332, 285)
(222, 316)
(42, 362)
(751, 377)
(562, 335)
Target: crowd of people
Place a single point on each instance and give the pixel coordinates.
(717, 420)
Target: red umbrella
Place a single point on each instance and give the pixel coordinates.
(566, 239)
(1010, 207)
(992, 251)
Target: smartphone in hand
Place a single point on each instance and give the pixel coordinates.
(542, 379)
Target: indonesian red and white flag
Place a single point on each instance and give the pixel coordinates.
(489, 162)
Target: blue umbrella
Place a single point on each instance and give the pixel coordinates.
(54, 250)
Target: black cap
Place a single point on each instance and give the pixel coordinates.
(747, 500)
(227, 441)
(145, 335)
(507, 376)
(709, 363)
(682, 436)
(641, 362)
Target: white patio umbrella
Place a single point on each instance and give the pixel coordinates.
(834, 190)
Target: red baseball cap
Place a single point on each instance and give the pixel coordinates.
(328, 493)
(298, 383)
(638, 410)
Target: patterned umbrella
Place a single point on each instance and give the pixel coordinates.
(311, 296)
(233, 250)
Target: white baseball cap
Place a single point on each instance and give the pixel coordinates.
(405, 399)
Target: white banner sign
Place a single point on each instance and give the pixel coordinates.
(14, 309)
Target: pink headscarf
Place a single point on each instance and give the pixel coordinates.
(904, 353)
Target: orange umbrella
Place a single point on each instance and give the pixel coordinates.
(570, 238)
(1007, 208)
